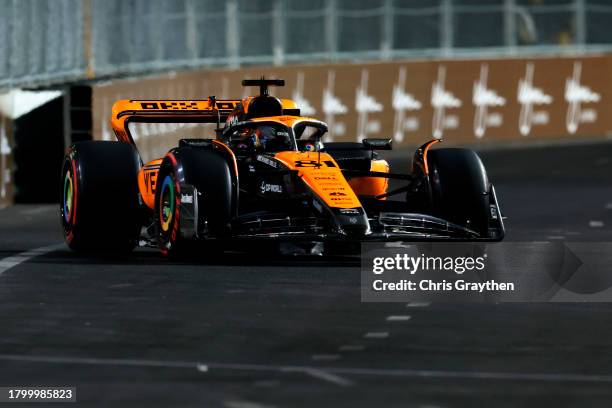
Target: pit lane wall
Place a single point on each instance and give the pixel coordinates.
(463, 101)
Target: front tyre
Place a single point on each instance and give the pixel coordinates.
(203, 179)
(168, 213)
(460, 189)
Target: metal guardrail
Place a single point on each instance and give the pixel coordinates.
(46, 42)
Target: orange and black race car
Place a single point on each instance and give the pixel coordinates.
(267, 175)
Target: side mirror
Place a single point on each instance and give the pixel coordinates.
(377, 144)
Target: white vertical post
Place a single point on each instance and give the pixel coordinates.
(580, 14)
(231, 33)
(88, 48)
(510, 25)
(191, 30)
(4, 36)
(388, 29)
(13, 66)
(446, 27)
(126, 30)
(279, 33)
(331, 28)
(155, 23)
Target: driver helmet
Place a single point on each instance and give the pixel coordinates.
(249, 139)
(272, 138)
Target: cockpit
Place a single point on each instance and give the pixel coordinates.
(273, 137)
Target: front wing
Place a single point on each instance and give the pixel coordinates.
(386, 226)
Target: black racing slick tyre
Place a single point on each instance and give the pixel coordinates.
(203, 178)
(99, 205)
(460, 188)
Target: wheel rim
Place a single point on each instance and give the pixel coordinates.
(166, 208)
(68, 196)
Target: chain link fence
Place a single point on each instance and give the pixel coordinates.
(41, 41)
(51, 41)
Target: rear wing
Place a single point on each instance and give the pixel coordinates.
(208, 110)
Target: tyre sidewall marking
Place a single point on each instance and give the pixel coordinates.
(168, 184)
(69, 222)
(170, 235)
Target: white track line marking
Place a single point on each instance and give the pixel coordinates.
(352, 347)
(381, 372)
(320, 374)
(12, 261)
(376, 335)
(398, 318)
(418, 304)
(596, 224)
(555, 237)
(329, 377)
(608, 206)
(101, 361)
(36, 210)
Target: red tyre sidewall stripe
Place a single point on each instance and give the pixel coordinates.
(172, 159)
(75, 193)
(177, 205)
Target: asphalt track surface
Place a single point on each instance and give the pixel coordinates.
(260, 330)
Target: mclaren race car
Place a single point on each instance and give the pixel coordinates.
(268, 174)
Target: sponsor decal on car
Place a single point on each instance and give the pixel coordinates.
(349, 211)
(186, 198)
(268, 161)
(270, 188)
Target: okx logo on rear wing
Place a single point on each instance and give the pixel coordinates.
(208, 110)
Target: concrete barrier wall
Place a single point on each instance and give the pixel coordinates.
(462, 101)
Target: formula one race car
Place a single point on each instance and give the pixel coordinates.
(267, 175)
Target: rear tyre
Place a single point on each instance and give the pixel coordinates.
(205, 172)
(99, 206)
(460, 189)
